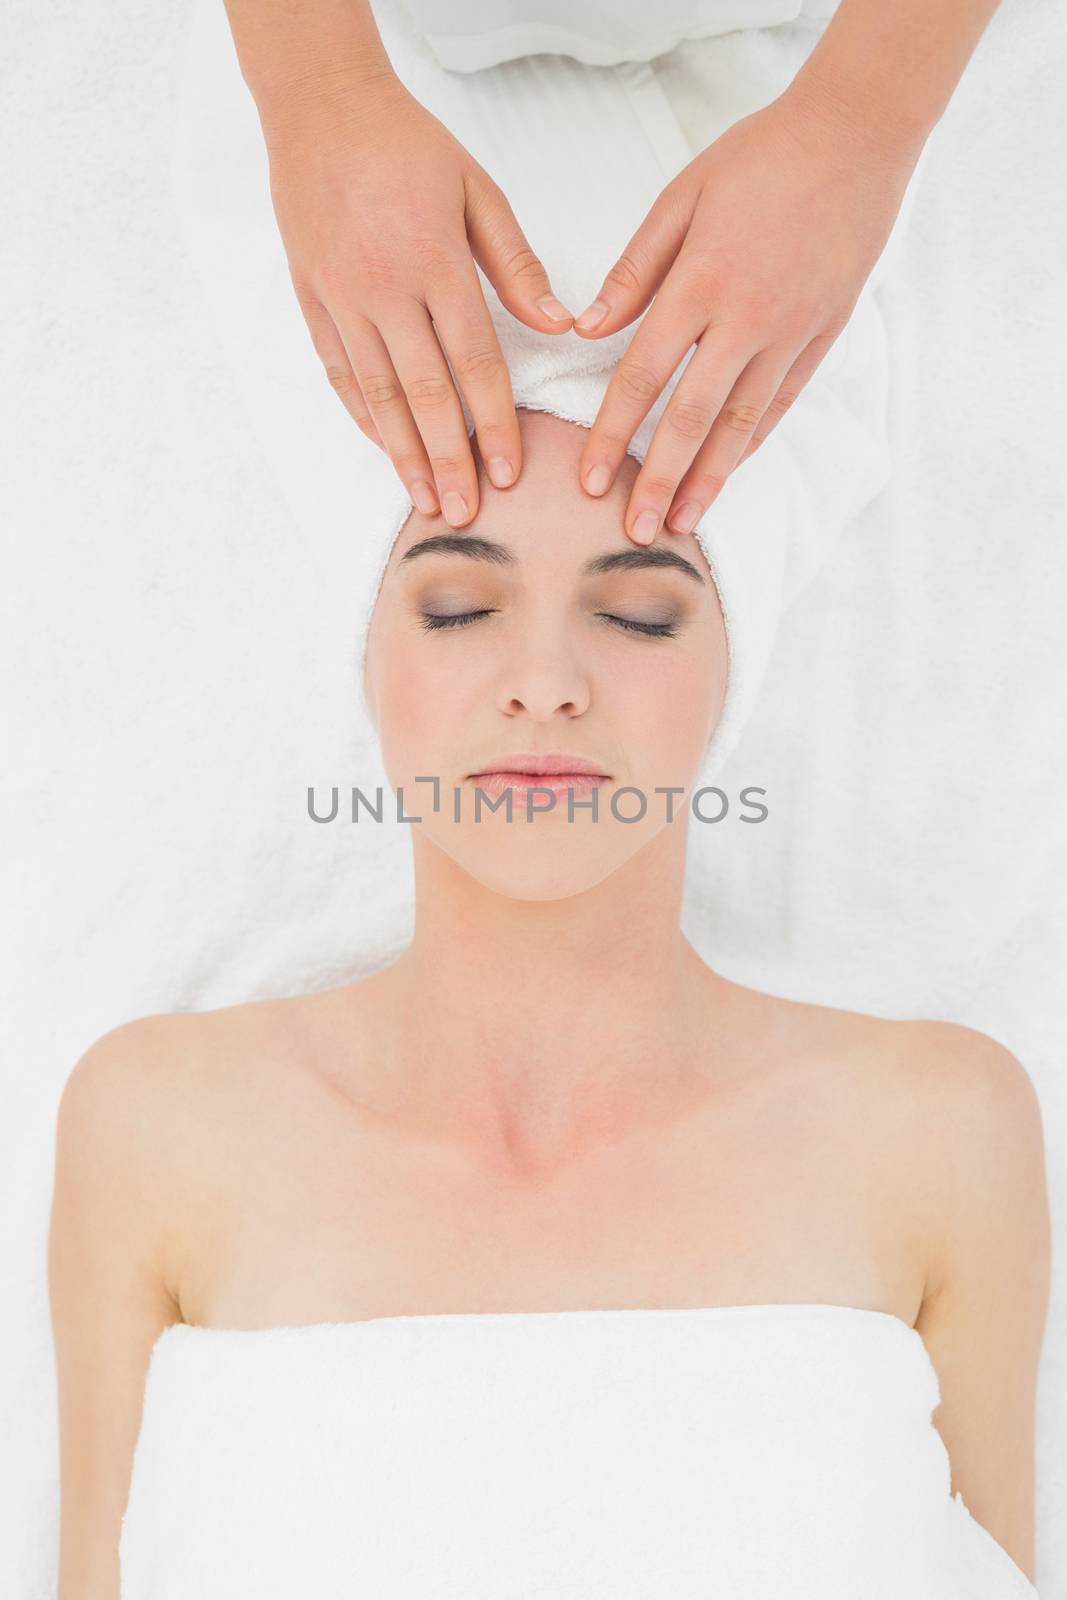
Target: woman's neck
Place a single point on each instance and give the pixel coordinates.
(533, 1028)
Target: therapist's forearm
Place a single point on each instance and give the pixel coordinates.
(295, 50)
(892, 65)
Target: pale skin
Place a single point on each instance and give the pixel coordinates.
(469, 1131)
(755, 253)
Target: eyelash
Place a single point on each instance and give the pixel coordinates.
(462, 619)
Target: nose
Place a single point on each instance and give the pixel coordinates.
(543, 678)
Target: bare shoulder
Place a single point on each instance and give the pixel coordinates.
(143, 1053)
(949, 1122)
(123, 1068)
(969, 1136)
(970, 1133)
(113, 1111)
(118, 1136)
(111, 1277)
(971, 1072)
(159, 1066)
(152, 1102)
(984, 1311)
(945, 1122)
(130, 1092)
(981, 1137)
(149, 1131)
(985, 1146)
(965, 1091)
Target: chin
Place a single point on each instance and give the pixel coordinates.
(547, 859)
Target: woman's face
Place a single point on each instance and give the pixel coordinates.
(541, 628)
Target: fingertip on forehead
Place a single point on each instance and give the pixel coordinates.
(548, 489)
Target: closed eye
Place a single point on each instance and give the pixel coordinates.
(462, 619)
(654, 630)
(458, 619)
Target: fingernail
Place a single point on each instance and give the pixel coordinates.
(644, 529)
(597, 479)
(425, 498)
(685, 518)
(501, 471)
(454, 507)
(593, 316)
(554, 308)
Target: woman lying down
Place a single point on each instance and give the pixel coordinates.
(546, 1260)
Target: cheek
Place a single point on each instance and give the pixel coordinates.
(675, 701)
(420, 705)
(405, 709)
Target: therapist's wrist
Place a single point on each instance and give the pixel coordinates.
(869, 128)
(869, 88)
(301, 56)
(342, 91)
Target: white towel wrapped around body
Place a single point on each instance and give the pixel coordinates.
(750, 1451)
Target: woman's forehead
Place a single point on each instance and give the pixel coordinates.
(547, 515)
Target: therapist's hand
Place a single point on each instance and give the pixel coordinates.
(383, 215)
(756, 253)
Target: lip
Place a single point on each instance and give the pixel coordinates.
(528, 765)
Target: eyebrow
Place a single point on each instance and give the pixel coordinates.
(477, 548)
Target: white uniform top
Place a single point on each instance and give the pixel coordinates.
(466, 35)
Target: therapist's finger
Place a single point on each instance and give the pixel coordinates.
(466, 333)
(788, 390)
(643, 265)
(720, 393)
(330, 349)
(405, 378)
(728, 438)
(506, 257)
(664, 337)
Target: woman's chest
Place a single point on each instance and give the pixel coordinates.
(319, 1215)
